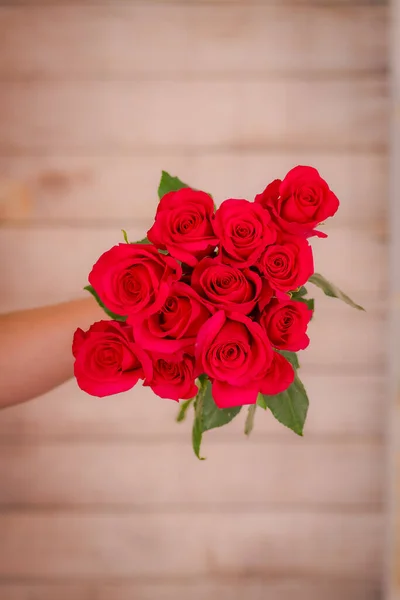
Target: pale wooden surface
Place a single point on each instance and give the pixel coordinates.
(392, 531)
(102, 499)
(77, 190)
(88, 544)
(98, 471)
(350, 408)
(92, 117)
(74, 249)
(233, 589)
(194, 39)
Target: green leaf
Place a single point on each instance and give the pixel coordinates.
(213, 416)
(207, 415)
(125, 236)
(197, 431)
(168, 183)
(248, 427)
(291, 357)
(183, 408)
(331, 290)
(147, 241)
(143, 241)
(290, 407)
(296, 294)
(261, 402)
(308, 301)
(112, 315)
(197, 435)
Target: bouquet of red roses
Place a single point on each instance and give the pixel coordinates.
(210, 308)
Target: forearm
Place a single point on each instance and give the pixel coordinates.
(35, 348)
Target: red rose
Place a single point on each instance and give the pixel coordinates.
(288, 264)
(226, 287)
(183, 225)
(269, 197)
(235, 354)
(244, 230)
(107, 360)
(176, 324)
(285, 323)
(173, 377)
(134, 280)
(279, 376)
(300, 202)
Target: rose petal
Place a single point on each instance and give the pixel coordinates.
(228, 396)
(279, 377)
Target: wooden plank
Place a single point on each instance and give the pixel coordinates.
(128, 40)
(104, 118)
(64, 544)
(285, 589)
(122, 190)
(343, 406)
(392, 529)
(290, 3)
(37, 268)
(355, 338)
(167, 475)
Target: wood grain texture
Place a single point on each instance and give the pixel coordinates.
(103, 499)
(130, 40)
(63, 544)
(312, 4)
(392, 529)
(15, 200)
(102, 118)
(341, 407)
(54, 266)
(41, 256)
(275, 589)
(123, 190)
(161, 476)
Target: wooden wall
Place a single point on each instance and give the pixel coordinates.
(102, 499)
(392, 531)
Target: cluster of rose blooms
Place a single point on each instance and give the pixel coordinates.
(208, 293)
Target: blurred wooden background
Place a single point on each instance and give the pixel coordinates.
(103, 499)
(392, 430)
